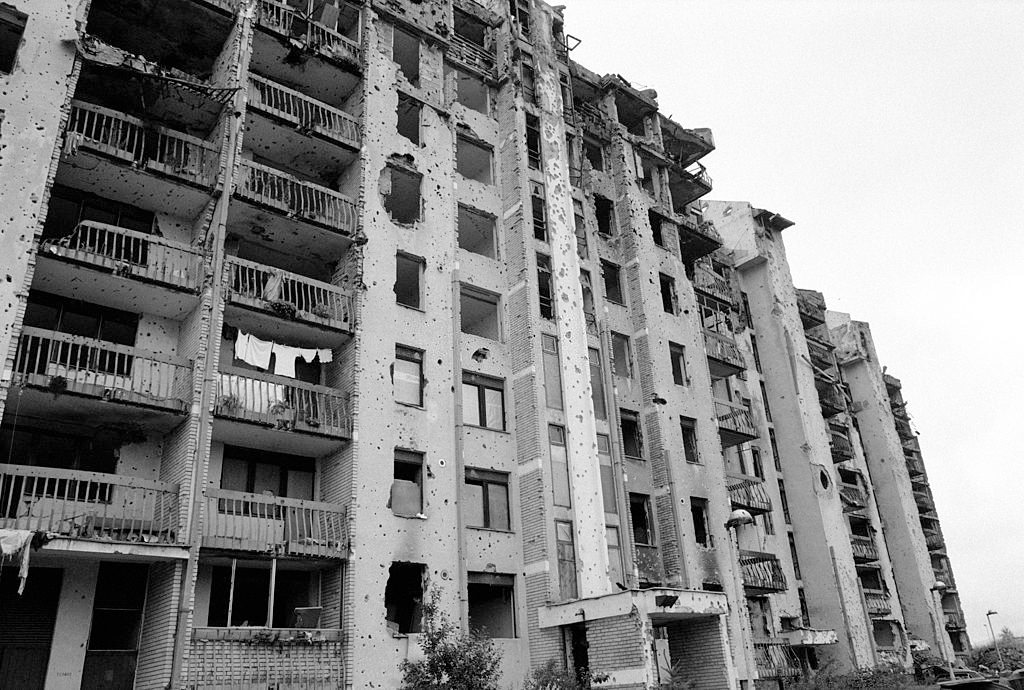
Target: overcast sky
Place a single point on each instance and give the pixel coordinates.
(891, 133)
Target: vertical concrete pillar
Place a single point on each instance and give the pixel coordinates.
(71, 631)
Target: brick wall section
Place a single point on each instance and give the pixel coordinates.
(616, 644)
(159, 619)
(700, 647)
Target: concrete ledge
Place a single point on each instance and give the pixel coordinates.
(688, 603)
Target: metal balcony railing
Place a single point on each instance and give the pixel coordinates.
(864, 548)
(283, 403)
(709, 282)
(265, 658)
(689, 184)
(954, 620)
(762, 572)
(842, 449)
(751, 495)
(831, 398)
(934, 540)
(469, 53)
(270, 524)
(648, 563)
(723, 348)
(877, 602)
(129, 253)
(735, 418)
(776, 659)
(60, 362)
(915, 466)
(259, 286)
(278, 190)
(281, 18)
(923, 499)
(853, 497)
(304, 112)
(88, 505)
(149, 146)
(820, 353)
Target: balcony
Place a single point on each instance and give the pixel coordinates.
(305, 310)
(123, 268)
(809, 637)
(915, 466)
(238, 521)
(853, 497)
(776, 659)
(750, 494)
(877, 602)
(924, 501)
(697, 237)
(292, 25)
(831, 398)
(954, 620)
(934, 541)
(72, 377)
(307, 115)
(88, 505)
(685, 146)
(903, 428)
(762, 572)
(820, 353)
(687, 185)
(735, 424)
(294, 198)
(842, 449)
(864, 549)
(471, 54)
(648, 563)
(811, 306)
(265, 658)
(121, 141)
(724, 356)
(591, 120)
(710, 283)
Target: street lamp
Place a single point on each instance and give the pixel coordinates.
(937, 590)
(737, 519)
(995, 642)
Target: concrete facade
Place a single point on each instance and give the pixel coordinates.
(315, 311)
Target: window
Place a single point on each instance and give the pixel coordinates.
(470, 90)
(604, 458)
(669, 301)
(589, 313)
(486, 495)
(594, 152)
(745, 301)
(407, 487)
(117, 607)
(533, 155)
(12, 27)
(400, 189)
(677, 353)
(520, 11)
(408, 112)
(582, 248)
(612, 275)
(491, 604)
(480, 313)
(764, 397)
(632, 441)
(775, 449)
(785, 503)
(792, 554)
(69, 207)
(408, 278)
(545, 288)
(540, 216)
(597, 384)
(805, 614)
(689, 429)
(263, 472)
(572, 155)
(604, 209)
(755, 461)
(403, 597)
(615, 572)
(882, 631)
(640, 516)
(73, 317)
(405, 51)
(407, 376)
(240, 595)
(476, 232)
(473, 160)
(552, 372)
(757, 355)
(559, 466)
(656, 228)
(769, 523)
(529, 81)
(483, 401)
(622, 363)
(699, 513)
(566, 548)
(470, 28)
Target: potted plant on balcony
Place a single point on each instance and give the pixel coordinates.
(284, 415)
(320, 309)
(229, 403)
(283, 308)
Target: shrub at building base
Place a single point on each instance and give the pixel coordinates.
(873, 679)
(553, 677)
(987, 658)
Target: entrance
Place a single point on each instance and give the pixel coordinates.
(26, 626)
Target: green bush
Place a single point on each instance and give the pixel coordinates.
(865, 679)
(553, 677)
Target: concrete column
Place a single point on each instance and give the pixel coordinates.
(71, 631)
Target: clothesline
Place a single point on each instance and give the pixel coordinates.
(257, 353)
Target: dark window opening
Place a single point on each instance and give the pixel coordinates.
(263, 472)
(612, 275)
(775, 450)
(491, 604)
(632, 439)
(117, 608)
(545, 288)
(520, 10)
(480, 313)
(699, 513)
(403, 597)
(487, 500)
(408, 277)
(755, 461)
(533, 153)
(597, 384)
(470, 28)
(529, 81)
(764, 397)
(640, 516)
(407, 487)
(604, 458)
(406, 53)
(470, 90)
(604, 209)
(792, 555)
(476, 232)
(540, 218)
(622, 362)
(407, 375)
(68, 207)
(594, 153)
(757, 354)
(483, 401)
(656, 228)
(401, 191)
(12, 28)
(690, 448)
(409, 118)
(473, 160)
(677, 353)
(785, 503)
(669, 300)
(241, 596)
(38, 447)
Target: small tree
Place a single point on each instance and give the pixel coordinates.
(551, 676)
(452, 660)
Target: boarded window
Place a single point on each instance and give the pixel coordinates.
(476, 232)
(407, 486)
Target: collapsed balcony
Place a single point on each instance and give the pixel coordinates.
(821, 353)
(735, 424)
(854, 498)
(762, 572)
(724, 356)
(697, 237)
(915, 466)
(750, 495)
(686, 185)
(811, 306)
(776, 659)
(840, 446)
(831, 398)
(934, 541)
(685, 146)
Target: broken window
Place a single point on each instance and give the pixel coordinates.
(615, 572)
(604, 459)
(764, 397)
(594, 152)
(793, 556)
(612, 275)
(545, 288)
(885, 637)
(656, 228)
(470, 28)
(476, 232)
(533, 154)
(407, 376)
(243, 596)
(632, 440)
(486, 496)
(784, 501)
(757, 355)
(491, 604)
(775, 449)
(12, 28)
(622, 362)
(690, 448)
(805, 614)
(669, 300)
(677, 353)
(403, 597)
(552, 372)
(470, 90)
(699, 514)
(870, 578)
(640, 516)
(540, 218)
(520, 11)
(589, 314)
(262, 472)
(473, 160)
(582, 248)
(401, 191)
(409, 118)
(605, 211)
(560, 488)
(575, 170)
(117, 607)
(483, 401)
(566, 547)
(529, 81)
(408, 279)
(597, 384)
(407, 487)
(480, 313)
(755, 462)
(405, 51)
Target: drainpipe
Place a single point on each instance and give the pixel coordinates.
(219, 224)
(460, 460)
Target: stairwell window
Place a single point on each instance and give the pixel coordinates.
(669, 299)
(533, 151)
(677, 353)
(480, 314)
(408, 280)
(483, 401)
(690, 449)
(408, 114)
(473, 160)
(540, 215)
(612, 276)
(640, 516)
(565, 544)
(552, 372)
(560, 484)
(597, 384)
(622, 360)
(604, 459)
(477, 233)
(604, 209)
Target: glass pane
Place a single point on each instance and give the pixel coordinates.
(608, 488)
(474, 506)
(407, 382)
(563, 531)
(493, 400)
(470, 404)
(497, 495)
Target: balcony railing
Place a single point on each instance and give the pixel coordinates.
(697, 237)
(283, 403)
(903, 428)
(723, 349)
(270, 524)
(924, 500)
(811, 306)
(129, 253)
(735, 421)
(762, 572)
(954, 620)
(864, 548)
(776, 659)
(831, 398)
(591, 120)
(689, 184)
(934, 540)
(915, 466)
(278, 190)
(150, 146)
(88, 505)
(842, 449)
(471, 54)
(821, 353)
(260, 286)
(69, 363)
(709, 282)
(750, 495)
(265, 658)
(853, 497)
(648, 563)
(304, 112)
(877, 602)
(281, 18)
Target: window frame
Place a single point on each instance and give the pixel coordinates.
(407, 353)
(486, 479)
(484, 383)
(421, 264)
(611, 274)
